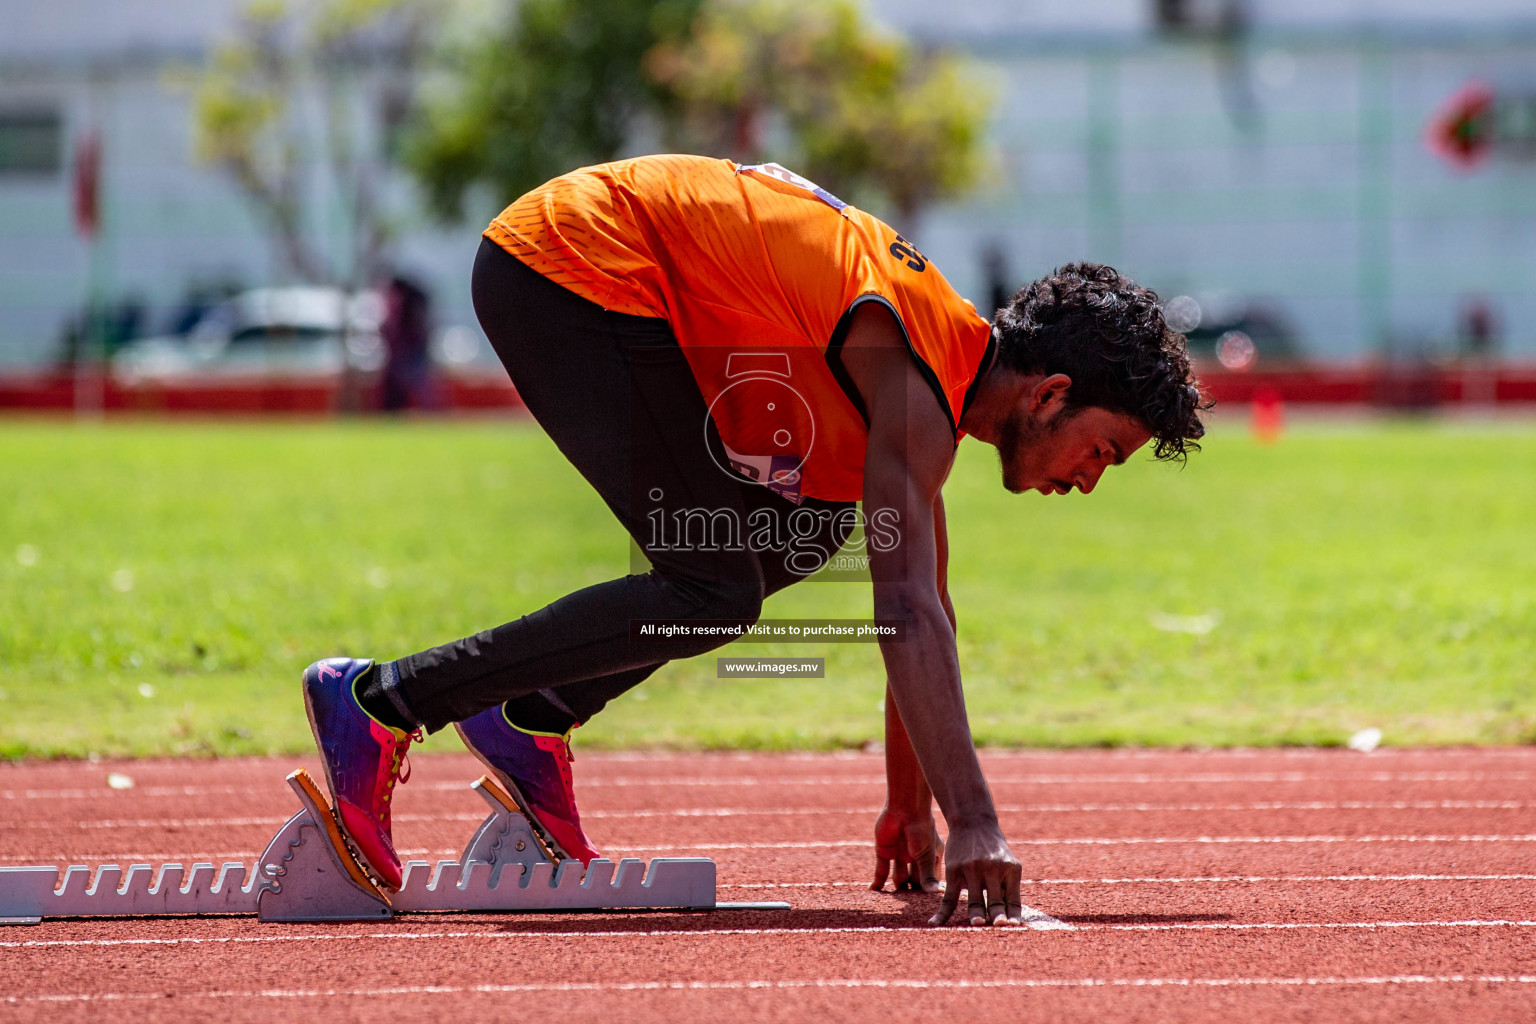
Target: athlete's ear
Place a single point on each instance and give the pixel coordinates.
(1050, 395)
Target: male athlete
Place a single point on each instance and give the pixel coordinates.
(733, 357)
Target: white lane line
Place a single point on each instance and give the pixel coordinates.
(1081, 779)
(128, 823)
(783, 984)
(711, 758)
(247, 855)
(182, 857)
(781, 812)
(1265, 805)
(469, 935)
(563, 936)
(718, 781)
(986, 753)
(1095, 808)
(139, 791)
(1270, 879)
(1123, 841)
(1204, 840)
(1152, 880)
(1239, 926)
(830, 844)
(1175, 840)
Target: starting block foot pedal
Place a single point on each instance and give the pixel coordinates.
(316, 876)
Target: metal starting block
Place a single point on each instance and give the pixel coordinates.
(308, 873)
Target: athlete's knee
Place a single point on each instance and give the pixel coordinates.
(732, 600)
(738, 602)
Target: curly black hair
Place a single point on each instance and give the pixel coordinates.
(1107, 333)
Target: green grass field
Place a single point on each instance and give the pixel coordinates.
(162, 586)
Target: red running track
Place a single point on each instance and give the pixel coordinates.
(1274, 885)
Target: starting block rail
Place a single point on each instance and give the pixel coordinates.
(307, 873)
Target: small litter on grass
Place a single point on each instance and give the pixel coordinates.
(122, 581)
(1366, 740)
(1194, 625)
(27, 555)
(146, 691)
(117, 780)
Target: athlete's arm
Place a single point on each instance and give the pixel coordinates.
(941, 545)
(908, 849)
(911, 447)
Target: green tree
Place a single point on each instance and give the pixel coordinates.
(298, 108)
(809, 84)
(815, 87)
(561, 85)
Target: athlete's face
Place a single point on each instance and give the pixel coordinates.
(1049, 447)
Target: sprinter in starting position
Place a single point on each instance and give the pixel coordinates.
(733, 358)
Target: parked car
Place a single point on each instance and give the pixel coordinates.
(266, 332)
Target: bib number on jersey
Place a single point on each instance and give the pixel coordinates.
(907, 253)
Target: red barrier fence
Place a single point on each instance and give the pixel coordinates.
(1382, 385)
(1391, 386)
(280, 396)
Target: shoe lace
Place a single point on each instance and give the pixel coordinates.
(400, 763)
(565, 755)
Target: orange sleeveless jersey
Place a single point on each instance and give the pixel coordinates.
(755, 269)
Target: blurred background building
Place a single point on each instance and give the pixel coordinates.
(1332, 179)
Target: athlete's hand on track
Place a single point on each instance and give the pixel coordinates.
(980, 862)
(912, 845)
